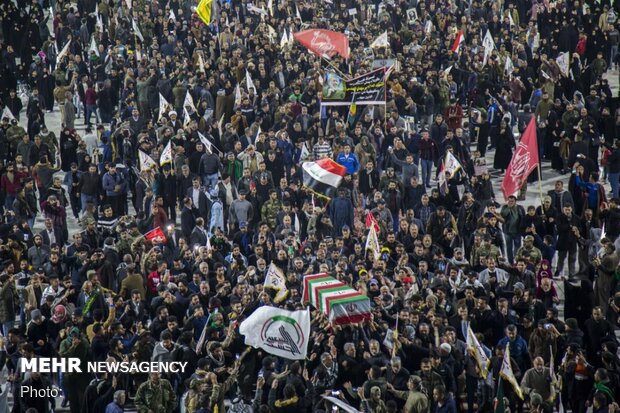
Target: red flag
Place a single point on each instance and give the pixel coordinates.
(456, 46)
(324, 42)
(523, 162)
(155, 235)
(371, 221)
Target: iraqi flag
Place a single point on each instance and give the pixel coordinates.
(323, 176)
(460, 39)
(523, 162)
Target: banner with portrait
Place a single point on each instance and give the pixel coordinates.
(367, 89)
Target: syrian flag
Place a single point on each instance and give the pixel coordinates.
(156, 234)
(323, 176)
(460, 39)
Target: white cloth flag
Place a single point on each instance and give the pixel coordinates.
(6, 113)
(488, 45)
(201, 64)
(452, 164)
(63, 52)
(163, 106)
(171, 16)
(166, 155)
(270, 7)
(237, 95)
(284, 40)
(509, 66)
(146, 162)
(136, 30)
(298, 14)
(93, 46)
(563, 61)
(481, 357)
(128, 4)
(208, 145)
(507, 373)
(381, 41)
(278, 332)
(187, 118)
(372, 243)
(248, 82)
(275, 279)
(188, 104)
(258, 132)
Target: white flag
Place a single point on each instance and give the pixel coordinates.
(163, 106)
(270, 7)
(128, 4)
(447, 71)
(93, 46)
(6, 113)
(509, 66)
(507, 374)
(201, 64)
(284, 40)
(452, 165)
(488, 45)
(428, 27)
(187, 118)
(481, 357)
(510, 20)
(278, 332)
(372, 243)
(220, 125)
(237, 96)
(273, 35)
(381, 41)
(166, 155)
(258, 132)
(305, 153)
(275, 279)
(136, 30)
(63, 52)
(146, 162)
(248, 82)
(291, 38)
(298, 14)
(563, 61)
(171, 16)
(188, 104)
(208, 145)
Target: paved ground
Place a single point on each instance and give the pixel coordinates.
(533, 194)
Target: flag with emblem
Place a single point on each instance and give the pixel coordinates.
(480, 355)
(275, 280)
(507, 374)
(146, 162)
(166, 155)
(372, 243)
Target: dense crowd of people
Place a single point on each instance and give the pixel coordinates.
(231, 203)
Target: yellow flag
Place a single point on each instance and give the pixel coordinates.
(204, 11)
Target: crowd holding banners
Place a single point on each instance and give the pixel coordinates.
(212, 122)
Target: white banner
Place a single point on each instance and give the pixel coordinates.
(278, 332)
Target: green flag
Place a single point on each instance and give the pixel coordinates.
(499, 406)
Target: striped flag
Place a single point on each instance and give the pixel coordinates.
(460, 39)
(323, 176)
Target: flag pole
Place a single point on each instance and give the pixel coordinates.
(335, 68)
(542, 204)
